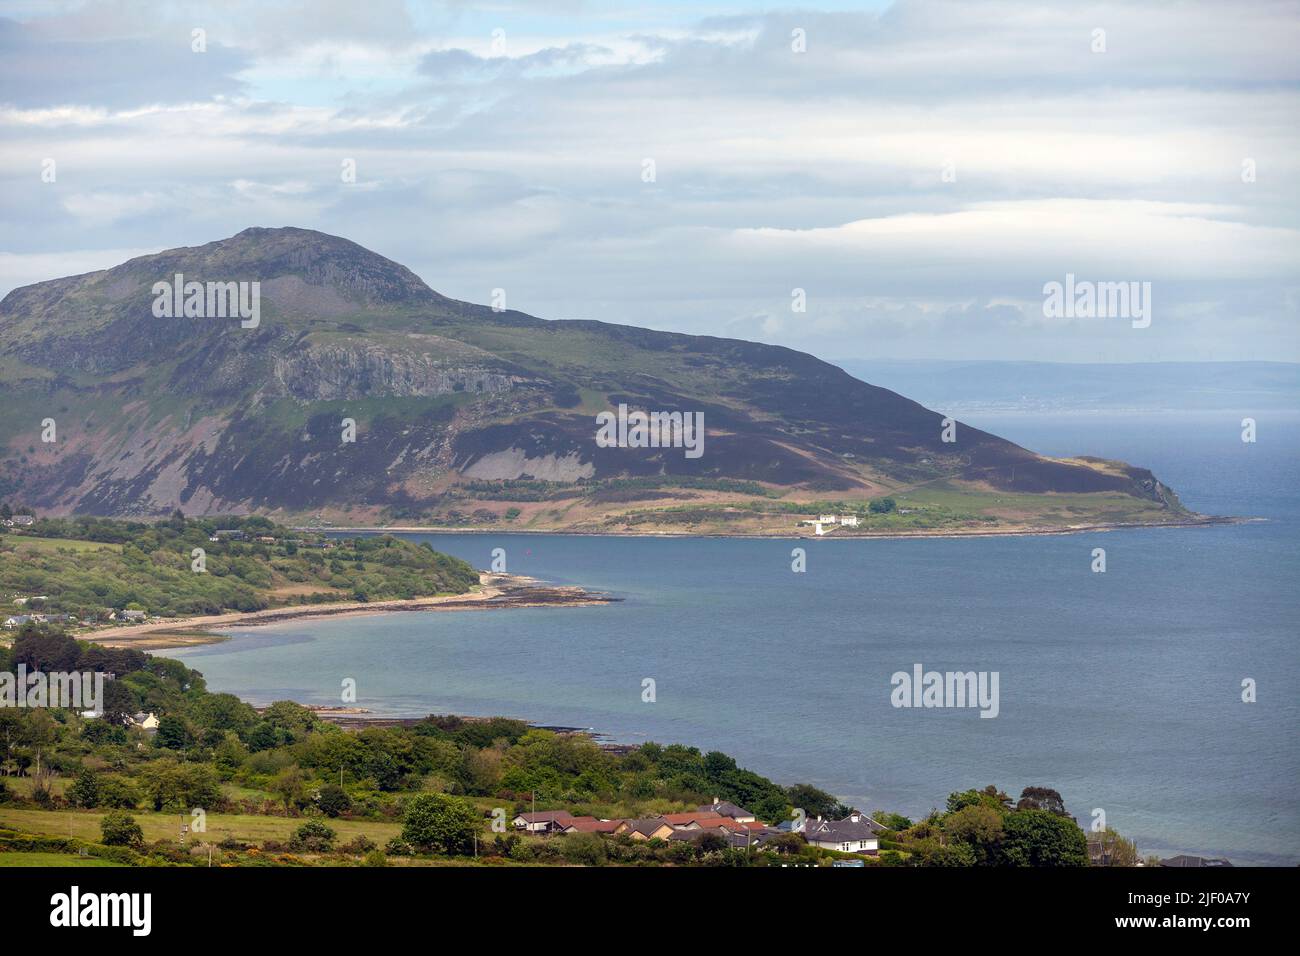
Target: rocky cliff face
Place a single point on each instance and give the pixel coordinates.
(156, 413)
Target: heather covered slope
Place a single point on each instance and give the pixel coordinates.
(462, 413)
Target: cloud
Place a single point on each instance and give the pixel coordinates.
(921, 170)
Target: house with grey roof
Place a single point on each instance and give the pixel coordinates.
(727, 809)
(856, 833)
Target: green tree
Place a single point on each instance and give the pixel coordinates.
(334, 800)
(172, 733)
(815, 802)
(84, 792)
(584, 849)
(1042, 838)
(118, 828)
(978, 826)
(1115, 850)
(313, 837)
(439, 823)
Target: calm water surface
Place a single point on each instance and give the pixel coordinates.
(1122, 690)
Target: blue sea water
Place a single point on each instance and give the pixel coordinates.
(1121, 690)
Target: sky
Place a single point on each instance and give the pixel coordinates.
(857, 180)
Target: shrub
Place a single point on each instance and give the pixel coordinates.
(334, 800)
(313, 837)
(437, 822)
(584, 849)
(362, 844)
(84, 791)
(118, 828)
(117, 793)
(375, 858)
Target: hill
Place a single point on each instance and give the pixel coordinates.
(467, 416)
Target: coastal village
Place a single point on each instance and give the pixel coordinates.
(735, 826)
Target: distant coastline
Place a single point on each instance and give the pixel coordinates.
(495, 591)
(1190, 521)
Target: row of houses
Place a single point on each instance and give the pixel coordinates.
(856, 833)
(18, 620)
(19, 521)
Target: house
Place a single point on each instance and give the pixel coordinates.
(1193, 861)
(692, 820)
(846, 836)
(740, 841)
(724, 808)
(134, 615)
(21, 521)
(233, 534)
(543, 821)
(17, 620)
(267, 539)
(145, 721)
(828, 519)
(591, 825)
(653, 829)
(849, 521)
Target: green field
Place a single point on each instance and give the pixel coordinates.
(51, 859)
(161, 826)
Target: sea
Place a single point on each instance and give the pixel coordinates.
(1159, 695)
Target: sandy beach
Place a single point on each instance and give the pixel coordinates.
(495, 591)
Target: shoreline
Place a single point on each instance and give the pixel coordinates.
(495, 591)
(1195, 522)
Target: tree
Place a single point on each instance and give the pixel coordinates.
(172, 733)
(334, 800)
(584, 849)
(1042, 798)
(815, 802)
(313, 837)
(84, 791)
(439, 823)
(1115, 850)
(118, 828)
(882, 506)
(289, 786)
(978, 826)
(1042, 838)
(42, 648)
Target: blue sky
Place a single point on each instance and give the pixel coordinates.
(920, 169)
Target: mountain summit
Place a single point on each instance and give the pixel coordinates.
(463, 414)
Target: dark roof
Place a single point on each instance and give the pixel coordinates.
(545, 816)
(839, 831)
(649, 826)
(725, 808)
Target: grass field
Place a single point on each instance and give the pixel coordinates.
(51, 859)
(26, 543)
(160, 826)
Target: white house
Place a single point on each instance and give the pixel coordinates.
(849, 521)
(543, 821)
(828, 519)
(856, 833)
(145, 721)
